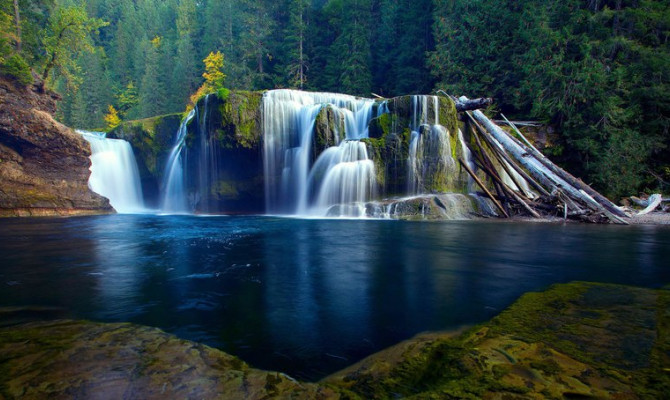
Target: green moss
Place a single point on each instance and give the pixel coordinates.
(225, 189)
(240, 119)
(376, 150)
(448, 115)
(222, 93)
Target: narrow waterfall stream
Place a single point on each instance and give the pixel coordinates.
(114, 172)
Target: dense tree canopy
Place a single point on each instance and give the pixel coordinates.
(595, 70)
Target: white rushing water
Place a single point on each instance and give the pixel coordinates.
(429, 148)
(335, 184)
(114, 172)
(192, 171)
(174, 199)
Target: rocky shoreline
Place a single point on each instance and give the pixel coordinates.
(578, 340)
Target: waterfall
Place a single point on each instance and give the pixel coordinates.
(192, 172)
(341, 175)
(346, 179)
(430, 153)
(114, 172)
(174, 189)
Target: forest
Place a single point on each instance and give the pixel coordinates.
(596, 71)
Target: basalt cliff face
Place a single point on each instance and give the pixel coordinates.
(44, 165)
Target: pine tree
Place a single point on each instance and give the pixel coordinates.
(152, 91)
(185, 73)
(295, 39)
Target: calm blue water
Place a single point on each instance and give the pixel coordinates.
(307, 297)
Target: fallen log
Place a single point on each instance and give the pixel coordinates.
(543, 173)
(653, 202)
(506, 163)
(483, 187)
(645, 202)
(510, 192)
(497, 148)
(474, 104)
(578, 183)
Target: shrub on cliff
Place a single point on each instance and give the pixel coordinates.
(16, 67)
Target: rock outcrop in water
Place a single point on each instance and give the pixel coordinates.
(151, 139)
(44, 165)
(223, 146)
(292, 152)
(579, 340)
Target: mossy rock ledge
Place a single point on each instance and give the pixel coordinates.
(151, 140)
(573, 341)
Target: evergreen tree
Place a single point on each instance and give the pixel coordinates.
(152, 91)
(185, 73)
(295, 36)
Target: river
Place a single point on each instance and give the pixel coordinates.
(307, 296)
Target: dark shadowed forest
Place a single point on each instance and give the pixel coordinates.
(596, 71)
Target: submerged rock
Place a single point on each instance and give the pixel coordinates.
(579, 340)
(44, 165)
(448, 206)
(74, 359)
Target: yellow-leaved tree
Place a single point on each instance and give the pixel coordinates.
(214, 79)
(112, 118)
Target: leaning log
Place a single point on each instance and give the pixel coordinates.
(472, 104)
(483, 187)
(542, 173)
(578, 183)
(499, 151)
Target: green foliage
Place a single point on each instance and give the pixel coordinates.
(67, 34)
(128, 98)
(596, 70)
(16, 67)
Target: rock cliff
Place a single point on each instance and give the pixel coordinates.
(44, 165)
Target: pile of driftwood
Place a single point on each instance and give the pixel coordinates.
(513, 164)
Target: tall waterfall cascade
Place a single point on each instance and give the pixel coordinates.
(174, 197)
(191, 172)
(341, 179)
(114, 172)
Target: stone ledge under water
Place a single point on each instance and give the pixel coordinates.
(578, 340)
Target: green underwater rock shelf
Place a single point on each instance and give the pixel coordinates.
(578, 340)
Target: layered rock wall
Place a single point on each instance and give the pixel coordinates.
(44, 165)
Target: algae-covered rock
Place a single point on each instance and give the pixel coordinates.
(434, 164)
(328, 130)
(439, 207)
(151, 140)
(75, 359)
(579, 340)
(227, 136)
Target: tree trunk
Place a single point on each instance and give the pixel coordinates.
(17, 21)
(578, 183)
(652, 203)
(481, 185)
(474, 104)
(536, 168)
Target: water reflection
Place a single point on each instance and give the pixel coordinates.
(307, 297)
